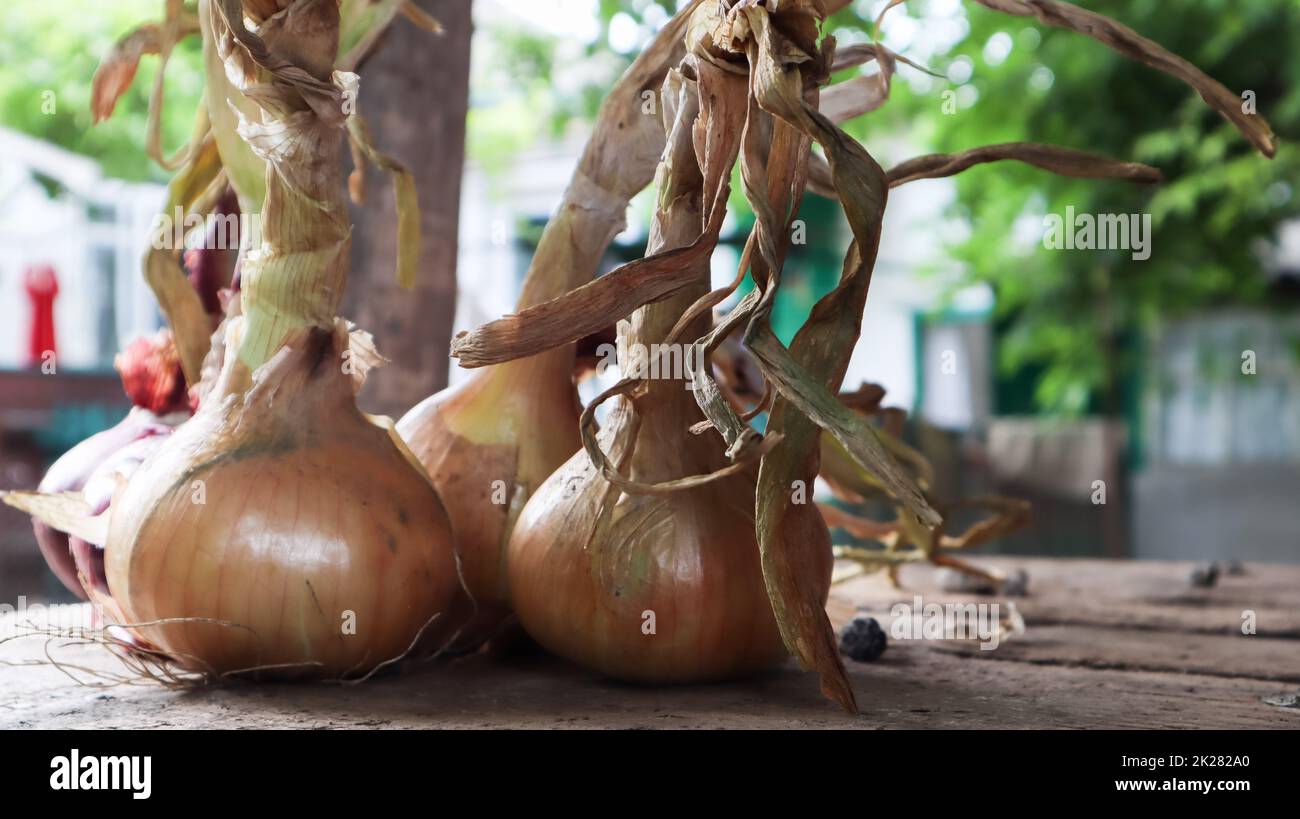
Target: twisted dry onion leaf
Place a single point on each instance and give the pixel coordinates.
(408, 203)
(177, 298)
(805, 375)
(612, 164)
(117, 70)
(860, 95)
(1054, 158)
(773, 172)
(704, 139)
(1063, 161)
(1128, 42)
(589, 308)
(810, 371)
(297, 277)
(225, 103)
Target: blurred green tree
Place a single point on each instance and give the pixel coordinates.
(1069, 320)
(56, 47)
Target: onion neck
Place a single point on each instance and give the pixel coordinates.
(295, 278)
(294, 273)
(491, 406)
(665, 448)
(575, 240)
(244, 169)
(676, 224)
(570, 250)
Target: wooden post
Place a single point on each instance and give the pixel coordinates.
(414, 94)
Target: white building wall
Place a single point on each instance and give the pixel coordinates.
(36, 228)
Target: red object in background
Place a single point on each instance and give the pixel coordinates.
(42, 288)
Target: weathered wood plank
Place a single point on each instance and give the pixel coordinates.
(1120, 616)
(1253, 657)
(1121, 594)
(914, 685)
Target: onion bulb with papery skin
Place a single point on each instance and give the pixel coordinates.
(490, 442)
(661, 589)
(664, 587)
(281, 529)
(487, 444)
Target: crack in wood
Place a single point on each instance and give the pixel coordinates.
(1114, 665)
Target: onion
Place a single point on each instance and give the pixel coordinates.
(288, 516)
(279, 531)
(489, 442)
(657, 584)
(151, 376)
(652, 589)
(89, 468)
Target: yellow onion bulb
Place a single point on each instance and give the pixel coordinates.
(653, 588)
(281, 530)
(638, 581)
(488, 443)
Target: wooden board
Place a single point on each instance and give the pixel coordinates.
(1126, 594)
(1138, 651)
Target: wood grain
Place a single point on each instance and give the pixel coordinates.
(1108, 644)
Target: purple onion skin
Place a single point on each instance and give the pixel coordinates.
(92, 467)
(209, 266)
(56, 550)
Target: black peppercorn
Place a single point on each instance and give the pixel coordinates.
(863, 639)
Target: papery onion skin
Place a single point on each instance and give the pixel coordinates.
(90, 465)
(312, 520)
(464, 441)
(586, 591)
(657, 587)
(487, 444)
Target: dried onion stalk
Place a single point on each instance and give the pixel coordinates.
(216, 155)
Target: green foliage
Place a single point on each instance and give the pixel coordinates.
(1068, 316)
(528, 85)
(512, 75)
(56, 46)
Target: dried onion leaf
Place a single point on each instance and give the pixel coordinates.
(65, 511)
(1129, 43)
(1058, 160)
(1053, 158)
(179, 301)
(408, 204)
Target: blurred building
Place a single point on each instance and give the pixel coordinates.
(1221, 434)
(59, 215)
(57, 209)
